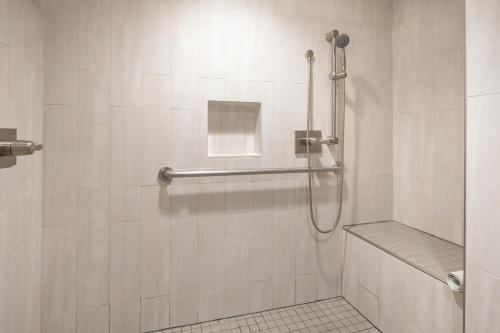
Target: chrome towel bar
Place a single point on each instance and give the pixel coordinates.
(167, 174)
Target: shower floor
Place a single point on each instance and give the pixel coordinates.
(334, 315)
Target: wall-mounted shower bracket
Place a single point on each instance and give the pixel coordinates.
(10, 147)
(337, 76)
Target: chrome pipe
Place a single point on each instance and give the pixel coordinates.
(167, 174)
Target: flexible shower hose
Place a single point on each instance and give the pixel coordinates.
(340, 162)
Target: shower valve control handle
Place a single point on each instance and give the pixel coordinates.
(320, 141)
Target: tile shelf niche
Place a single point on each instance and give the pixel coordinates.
(234, 129)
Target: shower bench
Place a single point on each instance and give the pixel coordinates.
(396, 276)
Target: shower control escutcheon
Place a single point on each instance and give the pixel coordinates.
(10, 147)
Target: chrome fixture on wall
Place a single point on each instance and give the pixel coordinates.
(167, 174)
(337, 76)
(10, 147)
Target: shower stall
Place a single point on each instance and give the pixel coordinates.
(223, 165)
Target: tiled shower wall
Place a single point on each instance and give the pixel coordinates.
(482, 303)
(429, 62)
(21, 107)
(126, 91)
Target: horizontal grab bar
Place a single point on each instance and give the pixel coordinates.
(167, 174)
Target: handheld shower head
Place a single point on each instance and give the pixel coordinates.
(342, 41)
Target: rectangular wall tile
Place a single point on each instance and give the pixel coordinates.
(155, 242)
(60, 162)
(212, 41)
(186, 37)
(93, 247)
(157, 36)
(449, 307)
(329, 254)
(184, 199)
(154, 313)
(184, 276)
(483, 76)
(483, 119)
(305, 288)
(236, 273)
(260, 296)
(482, 301)
(61, 51)
(209, 90)
(260, 232)
(350, 271)
(156, 121)
(94, 34)
(94, 123)
(185, 129)
(305, 242)
(125, 277)
(368, 304)
(211, 236)
(283, 257)
(126, 55)
(4, 21)
(392, 302)
(211, 304)
(93, 319)
(16, 292)
(126, 164)
(59, 279)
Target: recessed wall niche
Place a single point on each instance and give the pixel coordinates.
(234, 129)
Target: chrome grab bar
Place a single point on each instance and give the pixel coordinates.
(18, 147)
(167, 174)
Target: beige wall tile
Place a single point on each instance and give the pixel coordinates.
(283, 257)
(236, 272)
(155, 243)
(368, 304)
(60, 162)
(59, 279)
(156, 119)
(260, 296)
(126, 162)
(260, 234)
(94, 123)
(125, 277)
(482, 301)
(126, 55)
(60, 56)
(211, 237)
(16, 293)
(186, 38)
(94, 34)
(157, 36)
(184, 278)
(93, 319)
(154, 313)
(426, 146)
(483, 119)
(93, 247)
(4, 21)
(483, 76)
(305, 288)
(211, 304)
